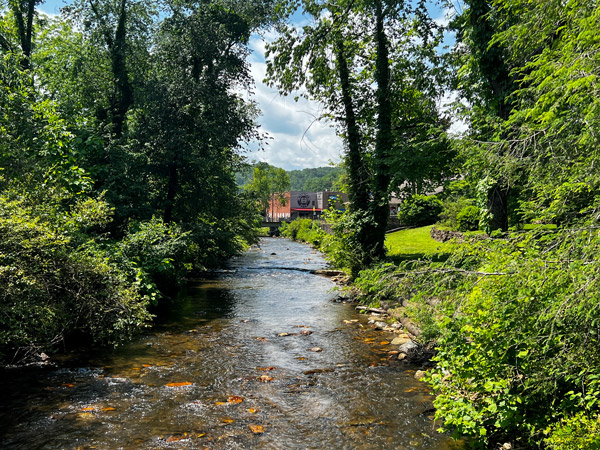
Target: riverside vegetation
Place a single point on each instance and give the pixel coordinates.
(512, 309)
(120, 129)
(512, 323)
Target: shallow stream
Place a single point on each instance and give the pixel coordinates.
(259, 357)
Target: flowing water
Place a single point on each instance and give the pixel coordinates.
(233, 365)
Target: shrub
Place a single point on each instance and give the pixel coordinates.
(160, 250)
(517, 357)
(451, 208)
(420, 210)
(516, 326)
(292, 229)
(579, 432)
(303, 230)
(344, 246)
(52, 287)
(468, 218)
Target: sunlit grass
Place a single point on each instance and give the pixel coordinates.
(413, 243)
(535, 226)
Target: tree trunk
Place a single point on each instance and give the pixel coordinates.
(500, 85)
(359, 192)
(497, 203)
(172, 186)
(124, 92)
(122, 98)
(24, 23)
(383, 139)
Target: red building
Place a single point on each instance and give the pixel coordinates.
(300, 205)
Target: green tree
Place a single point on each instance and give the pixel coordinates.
(357, 88)
(485, 80)
(314, 179)
(303, 59)
(553, 131)
(23, 13)
(268, 183)
(120, 138)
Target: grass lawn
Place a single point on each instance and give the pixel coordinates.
(533, 226)
(413, 243)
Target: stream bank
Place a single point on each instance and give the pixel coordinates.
(257, 357)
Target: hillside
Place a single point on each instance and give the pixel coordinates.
(313, 179)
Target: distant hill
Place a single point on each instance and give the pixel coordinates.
(244, 176)
(317, 179)
(312, 180)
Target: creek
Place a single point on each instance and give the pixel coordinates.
(258, 357)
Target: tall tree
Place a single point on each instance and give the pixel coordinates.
(487, 83)
(303, 61)
(195, 117)
(358, 174)
(23, 13)
(383, 139)
(553, 129)
(111, 25)
(345, 60)
(268, 183)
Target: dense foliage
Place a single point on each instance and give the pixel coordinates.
(513, 316)
(311, 180)
(267, 182)
(120, 131)
(419, 210)
(317, 179)
(515, 325)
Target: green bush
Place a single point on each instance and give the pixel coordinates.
(343, 248)
(517, 354)
(420, 210)
(516, 326)
(160, 250)
(468, 218)
(451, 208)
(53, 287)
(292, 229)
(579, 432)
(303, 230)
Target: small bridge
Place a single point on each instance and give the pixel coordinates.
(273, 227)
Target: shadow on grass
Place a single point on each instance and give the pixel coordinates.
(398, 258)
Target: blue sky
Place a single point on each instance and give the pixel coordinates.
(297, 140)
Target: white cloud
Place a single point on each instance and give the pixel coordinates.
(457, 124)
(299, 139)
(51, 7)
(445, 15)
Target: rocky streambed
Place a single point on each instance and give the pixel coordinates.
(258, 356)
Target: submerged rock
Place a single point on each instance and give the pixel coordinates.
(401, 340)
(420, 374)
(380, 325)
(408, 347)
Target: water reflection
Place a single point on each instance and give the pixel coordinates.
(259, 358)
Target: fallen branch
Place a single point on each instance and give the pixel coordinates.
(468, 272)
(409, 326)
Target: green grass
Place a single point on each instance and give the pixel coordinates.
(534, 226)
(413, 243)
